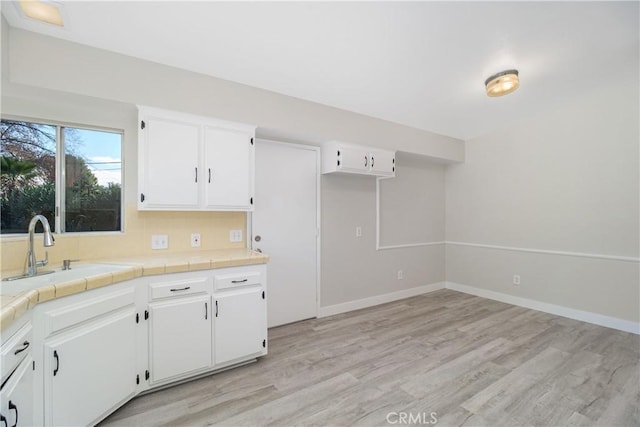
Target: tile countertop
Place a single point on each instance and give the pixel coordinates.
(13, 305)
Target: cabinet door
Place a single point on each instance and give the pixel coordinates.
(90, 370)
(179, 337)
(382, 163)
(17, 395)
(240, 324)
(352, 159)
(168, 161)
(228, 171)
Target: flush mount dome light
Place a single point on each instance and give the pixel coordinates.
(502, 83)
(43, 11)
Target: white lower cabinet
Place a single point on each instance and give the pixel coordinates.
(81, 357)
(240, 323)
(89, 365)
(179, 337)
(17, 396)
(17, 378)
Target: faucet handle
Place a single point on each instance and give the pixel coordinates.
(66, 263)
(44, 261)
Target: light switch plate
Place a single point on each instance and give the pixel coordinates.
(159, 241)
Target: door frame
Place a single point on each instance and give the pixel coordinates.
(249, 230)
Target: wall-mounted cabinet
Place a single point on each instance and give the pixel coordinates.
(188, 162)
(340, 157)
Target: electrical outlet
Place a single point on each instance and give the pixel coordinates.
(516, 279)
(235, 236)
(400, 274)
(195, 240)
(159, 241)
(358, 231)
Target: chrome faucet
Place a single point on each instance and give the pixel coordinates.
(32, 263)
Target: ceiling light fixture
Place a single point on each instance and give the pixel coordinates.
(43, 11)
(502, 83)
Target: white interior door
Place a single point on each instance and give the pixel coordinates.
(285, 227)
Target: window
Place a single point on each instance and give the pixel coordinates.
(71, 175)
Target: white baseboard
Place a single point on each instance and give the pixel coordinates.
(571, 313)
(344, 307)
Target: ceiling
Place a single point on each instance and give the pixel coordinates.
(421, 64)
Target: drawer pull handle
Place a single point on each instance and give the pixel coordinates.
(55, 356)
(240, 281)
(180, 289)
(20, 350)
(13, 407)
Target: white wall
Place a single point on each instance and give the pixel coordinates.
(411, 205)
(56, 80)
(565, 181)
(50, 63)
(352, 268)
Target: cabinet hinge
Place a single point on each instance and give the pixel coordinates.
(251, 200)
(141, 197)
(137, 379)
(33, 364)
(251, 141)
(262, 294)
(146, 315)
(137, 318)
(146, 375)
(264, 343)
(143, 124)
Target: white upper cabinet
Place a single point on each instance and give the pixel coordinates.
(340, 157)
(226, 187)
(188, 162)
(168, 164)
(382, 162)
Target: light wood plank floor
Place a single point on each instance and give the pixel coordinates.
(471, 361)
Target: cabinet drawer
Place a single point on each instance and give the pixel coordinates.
(240, 278)
(15, 349)
(70, 315)
(174, 288)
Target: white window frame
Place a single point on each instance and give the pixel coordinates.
(59, 208)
